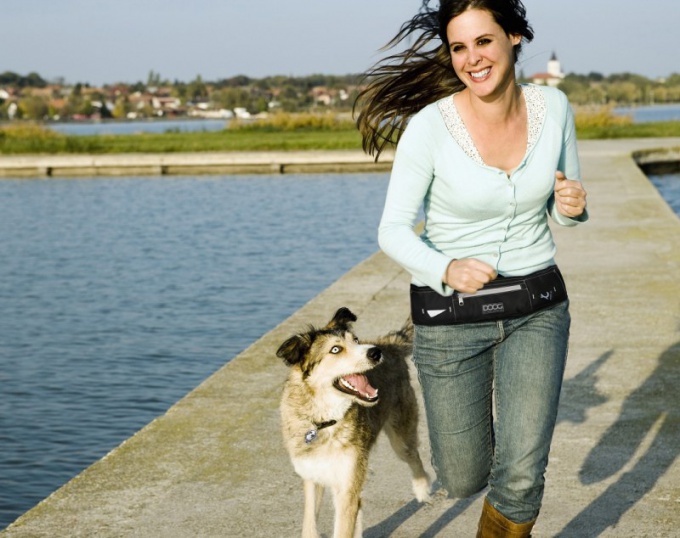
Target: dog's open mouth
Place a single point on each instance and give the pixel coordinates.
(357, 385)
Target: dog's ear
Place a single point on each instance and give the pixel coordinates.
(293, 350)
(342, 320)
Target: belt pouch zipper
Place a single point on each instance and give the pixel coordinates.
(490, 291)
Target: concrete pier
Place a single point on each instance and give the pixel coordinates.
(214, 465)
(158, 164)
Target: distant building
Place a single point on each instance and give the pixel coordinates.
(553, 76)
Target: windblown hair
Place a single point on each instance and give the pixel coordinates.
(403, 83)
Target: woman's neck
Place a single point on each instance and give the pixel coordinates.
(499, 108)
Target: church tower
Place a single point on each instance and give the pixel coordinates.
(554, 67)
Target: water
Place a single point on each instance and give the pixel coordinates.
(119, 296)
(651, 113)
(668, 186)
(640, 114)
(138, 126)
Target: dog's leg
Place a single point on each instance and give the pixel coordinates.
(358, 526)
(318, 498)
(347, 509)
(404, 440)
(313, 494)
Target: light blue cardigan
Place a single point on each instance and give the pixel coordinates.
(473, 210)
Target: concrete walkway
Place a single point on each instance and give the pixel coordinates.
(215, 466)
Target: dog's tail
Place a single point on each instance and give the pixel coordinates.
(400, 341)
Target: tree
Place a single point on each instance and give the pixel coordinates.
(154, 79)
(231, 98)
(623, 92)
(121, 108)
(197, 90)
(33, 108)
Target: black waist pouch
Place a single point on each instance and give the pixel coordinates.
(505, 297)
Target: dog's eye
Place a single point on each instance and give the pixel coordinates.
(356, 340)
(335, 350)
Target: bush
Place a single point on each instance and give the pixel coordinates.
(589, 118)
(283, 121)
(20, 131)
(29, 137)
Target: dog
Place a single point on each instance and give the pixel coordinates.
(339, 395)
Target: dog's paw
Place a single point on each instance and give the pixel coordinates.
(422, 489)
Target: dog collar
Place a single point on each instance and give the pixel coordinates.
(311, 434)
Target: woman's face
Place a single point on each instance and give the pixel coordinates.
(482, 53)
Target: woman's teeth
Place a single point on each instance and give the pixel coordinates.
(481, 74)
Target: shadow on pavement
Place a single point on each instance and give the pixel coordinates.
(650, 411)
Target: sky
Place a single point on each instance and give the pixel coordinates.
(108, 41)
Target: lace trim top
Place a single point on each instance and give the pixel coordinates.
(536, 110)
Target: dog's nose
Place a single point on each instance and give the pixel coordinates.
(374, 354)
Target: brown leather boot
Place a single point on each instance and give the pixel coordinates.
(493, 524)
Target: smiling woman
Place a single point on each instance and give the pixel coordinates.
(489, 160)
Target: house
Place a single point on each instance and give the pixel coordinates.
(552, 77)
(321, 95)
(165, 105)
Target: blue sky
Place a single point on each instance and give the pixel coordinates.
(106, 41)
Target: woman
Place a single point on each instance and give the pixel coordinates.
(487, 159)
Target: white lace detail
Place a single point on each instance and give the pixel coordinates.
(536, 110)
(454, 123)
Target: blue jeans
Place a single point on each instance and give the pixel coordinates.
(491, 393)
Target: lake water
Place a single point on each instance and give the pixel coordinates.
(138, 126)
(668, 186)
(119, 296)
(640, 114)
(651, 113)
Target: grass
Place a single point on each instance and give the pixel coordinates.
(36, 140)
(282, 132)
(602, 123)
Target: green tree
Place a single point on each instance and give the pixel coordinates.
(154, 79)
(33, 108)
(231, 98)
(197, 90)
(121, 108)
(624, 92)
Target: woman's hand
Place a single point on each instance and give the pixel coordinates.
(570, 196)
(468, 275)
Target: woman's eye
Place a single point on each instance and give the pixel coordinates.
(457, 48)
(484, 41)
(335, 350)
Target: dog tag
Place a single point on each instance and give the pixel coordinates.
(310, 436)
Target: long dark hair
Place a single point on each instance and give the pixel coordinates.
(401, 84)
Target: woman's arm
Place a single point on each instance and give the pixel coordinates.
(412, 174)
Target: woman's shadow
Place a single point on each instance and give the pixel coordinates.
(651, 410)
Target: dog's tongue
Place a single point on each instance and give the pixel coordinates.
(361, 384)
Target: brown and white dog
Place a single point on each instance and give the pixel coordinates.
(338, 397)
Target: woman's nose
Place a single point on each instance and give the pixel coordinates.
(474, 57)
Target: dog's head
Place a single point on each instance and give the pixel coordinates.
(331, 358)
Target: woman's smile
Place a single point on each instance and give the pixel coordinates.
(480, 75)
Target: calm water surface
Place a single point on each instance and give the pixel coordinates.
(668, 186)
(112, 127)
(119, 296)
(640, 114)
(651, 113)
